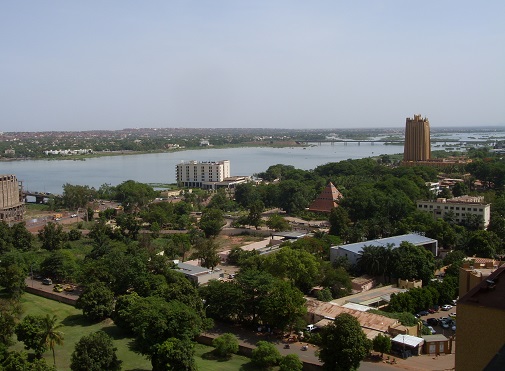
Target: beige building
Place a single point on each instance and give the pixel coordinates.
(481, 324)
(461, 207)
(12, 207)
(417, 139)
(202, 174)
(473, 273)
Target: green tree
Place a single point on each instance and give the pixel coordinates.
(206, 251)
(299, 266)
(211, 222)
(382, 344)
(225, 345)
(60, 266)
(217, 308)
(18, 361)
(52, 236)
(413, 262)
(12, 278)
(96, 301)
(254, 216)
(291, 362)
(76, 196)
(133, 195)
(284, 305)
(51, 336)
(95, 352)
(278, 223)
(344, 344)
(31, 332)
(174, 355)
(265, 354)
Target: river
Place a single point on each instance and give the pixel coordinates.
(51, 175)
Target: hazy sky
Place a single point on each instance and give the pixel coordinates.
(85, 65)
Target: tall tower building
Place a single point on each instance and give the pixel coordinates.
(417, 139)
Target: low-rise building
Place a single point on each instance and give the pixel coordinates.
(436, 344)
(198, 274)
(353, 251)
(461, 208)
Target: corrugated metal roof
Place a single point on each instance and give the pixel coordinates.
(367, 320)
(395, 241)
(412, 341)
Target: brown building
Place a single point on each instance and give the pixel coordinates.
(12, 207)
(481, 323)
(417, 139)
(326, 200)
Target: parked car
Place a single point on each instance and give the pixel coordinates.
(446, 307)
(424, 313)
(452, 315)
(58, 287)
(47, 281)
(310, 328)
(432, 330)
(432, 321)
(431, 310)
(69, 288)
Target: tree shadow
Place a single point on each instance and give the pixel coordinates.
(250, 367)
(211, 356)
(76, 320)
(116, 332)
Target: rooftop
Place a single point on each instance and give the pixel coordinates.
(489, 293)
(395, 241)
(409, 340)
(366, 320)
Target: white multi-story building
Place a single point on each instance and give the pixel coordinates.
(202, 174)
(460, 207)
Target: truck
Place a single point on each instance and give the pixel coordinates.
(57, 216)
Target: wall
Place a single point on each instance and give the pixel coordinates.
(480, 335)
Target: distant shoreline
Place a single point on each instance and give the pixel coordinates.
(278, 144)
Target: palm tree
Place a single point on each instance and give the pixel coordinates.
(52, 337)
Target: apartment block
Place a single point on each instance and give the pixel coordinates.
(461, 208)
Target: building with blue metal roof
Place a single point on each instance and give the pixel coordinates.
(353, 251)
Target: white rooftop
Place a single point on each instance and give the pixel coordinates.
(409, 340)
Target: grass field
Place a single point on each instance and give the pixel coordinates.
(76, 326)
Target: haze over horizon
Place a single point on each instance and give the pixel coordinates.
(226, 64)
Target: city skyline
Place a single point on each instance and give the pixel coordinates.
(282, 64)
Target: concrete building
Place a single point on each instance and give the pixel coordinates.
(473, 273)
(198, 274)
(481, 325)
(202, 174)
(12, 207)
(417, 139)
(353, 251)
(461, 208)
(436, 344)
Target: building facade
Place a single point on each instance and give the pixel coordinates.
(202, 174)
(12, 207)
(481, 325)
(417, 145)
(462, 208)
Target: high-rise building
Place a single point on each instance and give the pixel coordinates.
(417, 139)
(12, 207)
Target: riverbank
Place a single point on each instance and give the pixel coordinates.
(271, 144)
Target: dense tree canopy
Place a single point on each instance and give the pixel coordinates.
(95, 352)
(344, 344)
